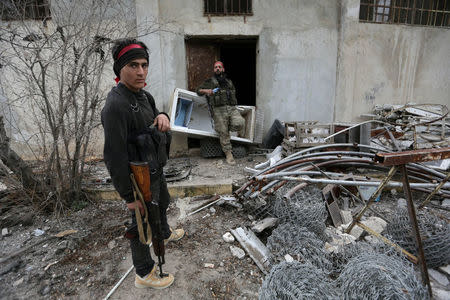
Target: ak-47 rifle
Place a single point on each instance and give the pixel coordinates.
(140, 178)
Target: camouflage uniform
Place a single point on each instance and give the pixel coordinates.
(225, 114)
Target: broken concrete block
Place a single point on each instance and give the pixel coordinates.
(344, 239)
(438, 277)
(209, 266)
(18, 282)
(228, 237)
(331, 248)
(263, 224)
(374, 223)
(288, 258)
(38, 232)
(438, 293)
(238, 252)
(254, 247)
(346, 216)
(5, 232)
(112, 244)
(401, 202)
(445, 269)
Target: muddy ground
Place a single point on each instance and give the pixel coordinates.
(88, 263)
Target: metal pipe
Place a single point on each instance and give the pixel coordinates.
(354, 126)
(435, 191)
(360, 183)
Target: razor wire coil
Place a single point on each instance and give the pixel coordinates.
(372, 275)
(300, 243)
(295, 280)
(434, 232)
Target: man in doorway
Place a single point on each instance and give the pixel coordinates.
(127, 117)
(221, 96)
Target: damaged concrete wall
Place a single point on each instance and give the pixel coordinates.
(296, 52)
(383, 63)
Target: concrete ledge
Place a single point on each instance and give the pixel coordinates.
(182, 191)
(176, 191)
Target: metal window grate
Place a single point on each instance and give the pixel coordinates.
(228, 7)
(434, 13)
(24, 9)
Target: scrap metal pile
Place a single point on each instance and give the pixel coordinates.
(315, 194)
(391, 128)
(411, 126)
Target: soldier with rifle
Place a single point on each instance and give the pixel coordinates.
(137, 141)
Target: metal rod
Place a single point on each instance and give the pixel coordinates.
(215, 200)
(434, 191)
(359, 183)
(415, 228)
(410, 256)
(373, 197)
(118, 283)
(394, 141)
(351, 127)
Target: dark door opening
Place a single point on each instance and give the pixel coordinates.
(238, 56)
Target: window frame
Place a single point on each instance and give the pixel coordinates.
(226, 11)
(29, 10)
(406, 12)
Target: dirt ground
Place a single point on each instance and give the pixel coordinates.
(88, 263)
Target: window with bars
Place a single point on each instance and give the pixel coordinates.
(24, 9)
(228, 7)
(413, 12)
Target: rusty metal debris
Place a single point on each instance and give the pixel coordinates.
(344, 166)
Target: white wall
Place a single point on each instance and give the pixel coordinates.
(296, 59)
(383, 63)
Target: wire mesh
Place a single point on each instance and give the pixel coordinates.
(372, 275)
(300, 243)
(305, 209)
(434, 232)
(294, 280)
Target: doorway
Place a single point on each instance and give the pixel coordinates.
(238, 55)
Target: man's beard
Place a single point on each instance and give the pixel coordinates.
(221, 78)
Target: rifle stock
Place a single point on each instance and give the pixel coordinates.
(141, 172)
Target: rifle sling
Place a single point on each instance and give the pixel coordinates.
(140, 223)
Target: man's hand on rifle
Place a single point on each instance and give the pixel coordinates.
(162, 123)
(132, 206)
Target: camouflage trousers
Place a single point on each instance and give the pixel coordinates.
(227, 118)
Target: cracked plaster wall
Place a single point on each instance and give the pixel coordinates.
(383, 63)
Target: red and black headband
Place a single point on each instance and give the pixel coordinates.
(127, 54)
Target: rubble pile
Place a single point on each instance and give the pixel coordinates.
(391, 128)
(314, 194)
(411, 126)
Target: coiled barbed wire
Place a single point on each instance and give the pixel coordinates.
(372, 275)
(300, 243)
(306, 208)
(434, 232)
(295, 280)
